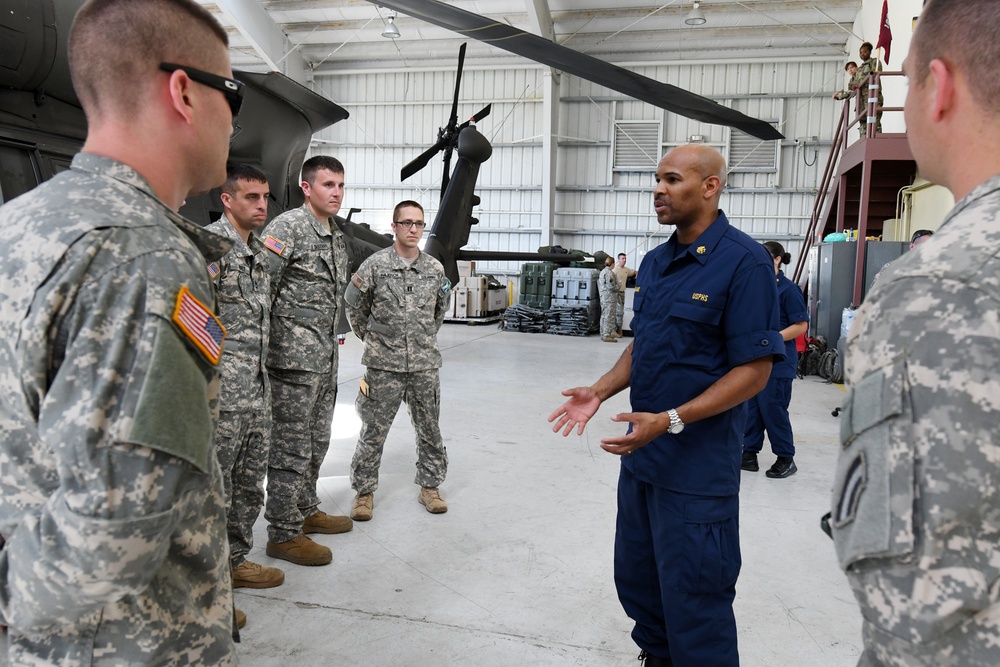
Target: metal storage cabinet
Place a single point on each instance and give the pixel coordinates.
(877, 255)
(831, 286)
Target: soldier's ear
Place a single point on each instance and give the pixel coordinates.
(941, 83)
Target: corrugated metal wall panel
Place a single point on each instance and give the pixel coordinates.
(395, 116)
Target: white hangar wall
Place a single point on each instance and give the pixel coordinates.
(608, 146)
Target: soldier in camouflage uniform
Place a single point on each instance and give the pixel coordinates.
(869, 65)
(396, 303)
(622, 274)
(917, 488)
(309, 269)
(112, 511)
(244, 430)
(607, 288)
(852, 69)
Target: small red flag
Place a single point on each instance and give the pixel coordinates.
(885, 32)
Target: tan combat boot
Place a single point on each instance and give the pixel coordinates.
(361, 510)
(432, 500)
(321, 522)
(252, 575)
(300, 550)
(241, 619)
(609, 339)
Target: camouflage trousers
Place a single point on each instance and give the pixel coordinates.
(421, 391)
(302, 405)
(609, 310)
(241, 443)
(620, 310)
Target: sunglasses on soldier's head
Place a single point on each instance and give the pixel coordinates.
(231, 88)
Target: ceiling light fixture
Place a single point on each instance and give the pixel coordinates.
(391, 31)
(695, 17)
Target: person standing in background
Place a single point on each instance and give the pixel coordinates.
(768, 410)
(869, 65)
(607, 288)
(244, 430)
(622, 274)
(309, 269)
(852, 69)
(396, 304)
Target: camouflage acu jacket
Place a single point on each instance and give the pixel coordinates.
(916, 503)
(112, 512)
(397, 310)
(309, 270)
(244, 289)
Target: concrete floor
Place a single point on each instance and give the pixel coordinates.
(518, 572)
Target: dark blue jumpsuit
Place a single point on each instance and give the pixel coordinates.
(677, 555)
(768, 410)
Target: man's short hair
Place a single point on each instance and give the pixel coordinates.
(242, 172)
(116, 47)
(621, 254)
(849, 64)
(963, 34)
(868, 44)
(315, 163)
(405, 204)
(920, 233)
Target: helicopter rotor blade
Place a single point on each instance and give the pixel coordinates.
(419, 162)
(589, 68)
(453, 119)
(481, 114)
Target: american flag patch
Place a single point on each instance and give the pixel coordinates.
(358, 282)
(199, 325)
(274, 245)
(213, 270)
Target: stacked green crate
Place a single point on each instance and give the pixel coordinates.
(536, 284)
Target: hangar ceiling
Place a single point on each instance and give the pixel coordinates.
(303, 36)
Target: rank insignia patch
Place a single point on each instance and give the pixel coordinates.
(701, 250)
(199, 324)
(274, 245)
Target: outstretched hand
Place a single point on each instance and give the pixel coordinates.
(577, 411)
(645, 427)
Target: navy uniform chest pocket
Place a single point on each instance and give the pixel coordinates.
(694, 335)
(697, 312)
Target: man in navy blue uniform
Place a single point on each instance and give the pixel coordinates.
(705, 323)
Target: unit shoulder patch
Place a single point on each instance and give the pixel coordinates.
(200, 325)
(274, 245)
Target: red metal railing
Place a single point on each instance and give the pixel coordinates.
(865, 111)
